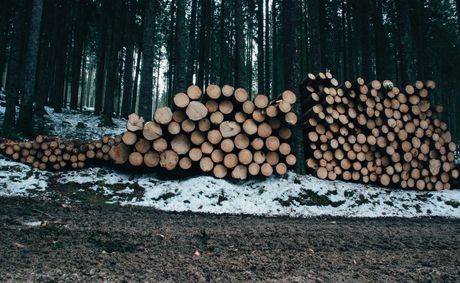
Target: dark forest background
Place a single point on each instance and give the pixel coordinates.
(123, 56)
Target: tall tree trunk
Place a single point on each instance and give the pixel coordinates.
(129, 63)
(203, 50)
(180, 49)
(15, 64)
(60, 57)
(136, 81)
(112, 64)
(146, 85)
(83, 80)
(366, 55)
(5, 17)
(267, 50)
(380, 40)
(419, 28)
(171, 51)
(25, 120)
(192, 43)
(260, 47)
(100, 65)
(291, 70)
(315, 43)
(240, 68)
(407, 66)
(77, 53)
(223, 45)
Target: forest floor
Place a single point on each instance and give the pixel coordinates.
(45, 240)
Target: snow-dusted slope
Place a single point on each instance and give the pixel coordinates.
(295, 196)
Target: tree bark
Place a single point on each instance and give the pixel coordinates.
(79, 27)
(315, 44)
(180, 49)
(14, 77)
(407, 58)
(240, 50)
(129, 63)
(192, 44)
(291, 70)
(100, 63)
(25, 120)
(146, 85)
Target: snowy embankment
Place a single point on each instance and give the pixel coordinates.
(293, 195)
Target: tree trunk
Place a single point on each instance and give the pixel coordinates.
(83, 80)
(291, 70)
(146, 85)
(407, 58)
(366, 56)
(100, 65)
(380, 41)
(203, 51)
(261, 48)
(129, 63)
(192, 44)
(240, 68)
(315, 44)
(5, 17)
(25, 120)
(77, 54)
(15, 64)
(267, 53)
(180, 49)
(112, 64)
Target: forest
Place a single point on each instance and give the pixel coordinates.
(117, 57)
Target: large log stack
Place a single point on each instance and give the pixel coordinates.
(220, 131)
(376, 133)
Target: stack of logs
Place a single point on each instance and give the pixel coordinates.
(221, 131)
(376, 133)
(54, 153)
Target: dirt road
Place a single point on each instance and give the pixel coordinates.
(113, 243)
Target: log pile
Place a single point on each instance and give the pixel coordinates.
(53, 153)
(220, 131)
(376, 133)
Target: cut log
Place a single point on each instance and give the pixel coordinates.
(174, 128)
(214, 136)
(196, 111)
(250, 127)
(195, 154)
(219, 171)
(227, 145)
(226, 107)
(160, 145)
(241, 141)
(245, 156)
(194, 92)
(180, 144)
(216, 118)
(229, 129)
(272, 143)
(241, 95)
(119, 153)
(266, 170)
(227, 90)
(185, 163)
(240, 172)
(197, 138)
(152, 131)
(134, 123)
(142, 146)
(261, 101)
(129, 138)
(169, 160)
(151, 159)
(206, 164)
(163, 115)
(230, 160)
(136, 159)
(181, 100)
(289, 96)
(213, 91)
(212, 106)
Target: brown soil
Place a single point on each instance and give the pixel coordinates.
(113, 243)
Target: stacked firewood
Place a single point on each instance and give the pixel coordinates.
(54, 153)
(376, 133)
(221, 131)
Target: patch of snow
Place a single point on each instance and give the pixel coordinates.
(17, 179)
(33, 223)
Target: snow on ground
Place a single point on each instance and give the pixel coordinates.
(295, 196)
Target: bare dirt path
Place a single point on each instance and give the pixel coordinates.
(113, 243)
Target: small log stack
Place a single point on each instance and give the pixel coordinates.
(53, 153)
(376, 133)
(219, 131)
